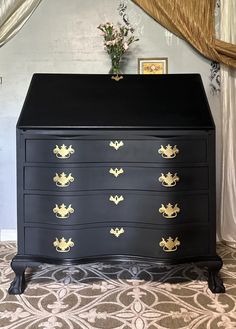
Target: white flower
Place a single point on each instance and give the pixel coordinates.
(108, 24)
(125, 46)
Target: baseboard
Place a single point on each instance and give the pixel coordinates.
(8, 235)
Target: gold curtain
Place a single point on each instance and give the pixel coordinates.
(13, 15)
(194, 21)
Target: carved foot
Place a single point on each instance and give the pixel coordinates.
(17, 286)
(215, 283)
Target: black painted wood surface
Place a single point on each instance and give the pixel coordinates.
(79, 110)
(90, 177)
(137, 150)
(98, 241)
(85, 100)
(137, 206)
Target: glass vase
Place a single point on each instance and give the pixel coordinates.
(115, 66)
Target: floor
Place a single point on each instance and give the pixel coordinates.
(118, 295)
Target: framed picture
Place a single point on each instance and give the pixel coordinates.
(153, 65)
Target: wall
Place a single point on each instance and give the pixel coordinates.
(62, 36)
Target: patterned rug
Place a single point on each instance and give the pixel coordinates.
(118, 295)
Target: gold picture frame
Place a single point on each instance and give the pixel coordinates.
(153, 65)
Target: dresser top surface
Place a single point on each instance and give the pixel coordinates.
(97, 101)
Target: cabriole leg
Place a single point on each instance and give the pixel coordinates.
(17, 286)
(215, 283)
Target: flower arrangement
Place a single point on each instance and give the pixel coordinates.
(117, 40)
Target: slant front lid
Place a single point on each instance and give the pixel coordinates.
(98, 101)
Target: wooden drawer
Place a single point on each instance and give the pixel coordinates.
(155, 150)
(117, 206)
(98, 241)
(99, 178)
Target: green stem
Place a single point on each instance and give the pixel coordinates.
(115, 63)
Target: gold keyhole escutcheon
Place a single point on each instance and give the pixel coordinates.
(116, 199)
(116, 145)
(168, 152)
(63, 152)
(116, 172)
(170, 244)
(117, 77)
(168, 180)
(117, 231)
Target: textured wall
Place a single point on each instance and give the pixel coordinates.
(62, 36)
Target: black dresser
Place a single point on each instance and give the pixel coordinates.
(116, 168)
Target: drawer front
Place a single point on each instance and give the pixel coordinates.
(160, 150)
(122, 206)
(99, 178)
(112, 240)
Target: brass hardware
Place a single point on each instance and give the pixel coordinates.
(63, 212)
(168, 180)
(117, 232)
(62, 180)
(63, 246)
(63, 152)
(168, 152)
(116, 199)
(116, 144)
(117, 77)
(169, 245)
(169, 211)
(116, 172)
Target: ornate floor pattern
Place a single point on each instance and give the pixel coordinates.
(118, 295)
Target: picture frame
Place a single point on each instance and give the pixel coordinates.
(153, 65)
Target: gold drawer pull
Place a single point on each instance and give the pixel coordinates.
(169, 245)
(117, 232)
(63, 246)
(168, 180)
(116, 172)
(168, 152)
(169, 211)
(116, 199)
(62, 211)
(116, 144)
(62, 180)
(63, 152)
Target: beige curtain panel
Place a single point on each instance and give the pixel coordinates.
(194, 21)
(13, 15)
(228, 105)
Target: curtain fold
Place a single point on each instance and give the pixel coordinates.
(228, 105)
(193, 21)
(13, 15)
